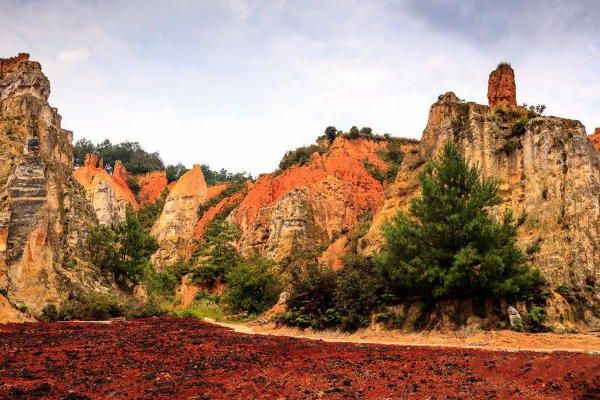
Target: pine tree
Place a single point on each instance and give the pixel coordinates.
(448, 246)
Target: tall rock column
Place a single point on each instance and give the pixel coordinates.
(44, 219)
(502, 89)
(175, 226)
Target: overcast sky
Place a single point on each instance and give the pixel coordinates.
(236, 83)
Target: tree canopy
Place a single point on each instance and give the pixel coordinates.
(447, 245)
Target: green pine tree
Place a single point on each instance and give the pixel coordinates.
(448, 246)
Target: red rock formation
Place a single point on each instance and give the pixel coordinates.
(151, 186)
(9, 64)
(109, 194)
(119, 171)
(302, 207)
(595, 138)
(502, 89)
(101, 165)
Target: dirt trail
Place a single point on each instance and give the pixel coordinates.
(489, 340)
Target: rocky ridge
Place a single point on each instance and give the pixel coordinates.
(44, 219)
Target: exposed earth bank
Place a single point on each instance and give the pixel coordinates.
(169, 358)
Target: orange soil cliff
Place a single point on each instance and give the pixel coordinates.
(151, 186)
(109, 194)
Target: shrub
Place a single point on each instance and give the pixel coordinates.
(366, 131)
(312, 295)
(518, 127)
(535, 319)
(503, 65)
(252, 286)
(330, 133)
(162, 283)
(447, 246)
(354, 133)
(358, 291)
(300, 156)
(203, 309)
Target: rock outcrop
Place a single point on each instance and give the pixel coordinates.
(44, 219)
(595, 138)
(502, 89)
(108, 194)
(301, 208)
(175, 226)
(151, 186)
(547, 169)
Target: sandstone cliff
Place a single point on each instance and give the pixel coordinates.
(175, 226)
(303, 207)
(108, 194)
(43, 217)
(547, 169)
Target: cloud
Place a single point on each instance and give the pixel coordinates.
(70, 58)
(236, 83)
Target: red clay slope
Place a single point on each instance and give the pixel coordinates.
(169, 358)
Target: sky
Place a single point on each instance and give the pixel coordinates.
(236, 83)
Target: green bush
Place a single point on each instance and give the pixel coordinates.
(359, 291)
(535, 319)
(300, 156)
(354, 133)
(330, 133)
(447, 246)
(162, 283)
(252, 286)
(98, 307)
(312, 294)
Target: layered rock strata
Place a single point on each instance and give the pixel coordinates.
(44, 219)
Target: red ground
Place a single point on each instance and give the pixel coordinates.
(171, 358)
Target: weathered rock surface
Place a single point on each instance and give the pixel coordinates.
(175, 226)
(151, 186)
(302, 207)
(548, 169)
(44, 220)
(108, 194)
(502, 89)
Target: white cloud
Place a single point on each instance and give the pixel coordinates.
(71, 58)
(237, 83)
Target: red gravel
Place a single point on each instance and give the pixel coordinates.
(171, 358)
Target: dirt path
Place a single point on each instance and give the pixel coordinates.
(489, 340)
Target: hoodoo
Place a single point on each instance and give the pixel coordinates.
(502, 89)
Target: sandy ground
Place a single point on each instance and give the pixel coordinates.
(490, 340)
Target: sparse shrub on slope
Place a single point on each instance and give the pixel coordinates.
(300, 156)
(448, 246)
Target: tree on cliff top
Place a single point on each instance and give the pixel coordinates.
(448, 246)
